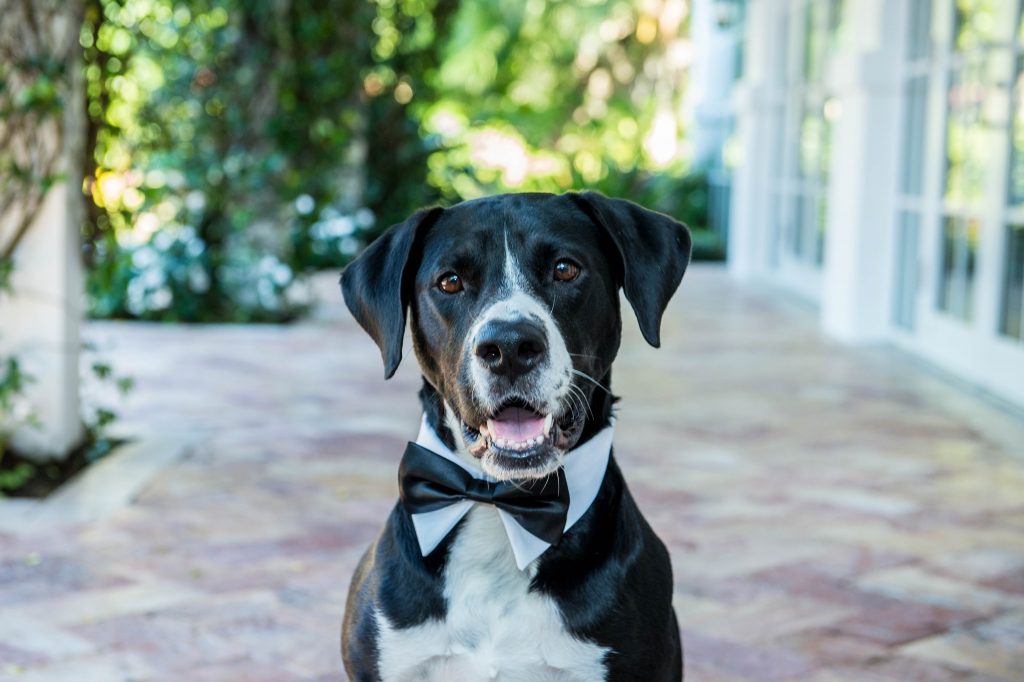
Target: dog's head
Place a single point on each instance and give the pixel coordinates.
(515, 312)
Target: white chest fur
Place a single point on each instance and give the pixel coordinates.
(495, 628)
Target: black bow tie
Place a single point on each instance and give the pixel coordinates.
(428, 482)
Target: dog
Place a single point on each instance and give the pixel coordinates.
(515, 552)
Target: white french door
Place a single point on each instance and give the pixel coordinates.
(960, 217)
(800, 186)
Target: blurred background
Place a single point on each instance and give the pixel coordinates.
(227, 151)
(866, 156)
(852, 172)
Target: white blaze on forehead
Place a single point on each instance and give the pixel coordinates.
(515, 280)
(552, 380)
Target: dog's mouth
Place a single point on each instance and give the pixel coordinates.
(519, 440)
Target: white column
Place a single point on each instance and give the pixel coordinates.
(751, 198)
(39, 321)
(864, 77)
(709, 90)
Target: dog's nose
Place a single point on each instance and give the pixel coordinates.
(511, 347)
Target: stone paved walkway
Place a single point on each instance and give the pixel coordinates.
(833, 514)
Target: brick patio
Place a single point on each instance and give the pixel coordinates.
(833, 513)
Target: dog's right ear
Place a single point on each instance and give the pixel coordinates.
(377, 285)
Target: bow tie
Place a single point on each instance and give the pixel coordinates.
(438, 496)
(428, 483)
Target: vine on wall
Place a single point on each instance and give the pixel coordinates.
(38, 57)
(37, 39)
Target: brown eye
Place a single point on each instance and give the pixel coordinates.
(449, 283)
(566, 270)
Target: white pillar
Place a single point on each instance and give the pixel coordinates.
(864, 77)
(751, 199)
(709, 90)
(39, 321)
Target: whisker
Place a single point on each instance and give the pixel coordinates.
(577, 392)
(586, 402)
(574, 404)
(591, 380)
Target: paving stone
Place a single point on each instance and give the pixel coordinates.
(743, 661)
(912, 583)
(833, 513)
(993, 647)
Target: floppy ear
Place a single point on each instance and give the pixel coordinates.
(378, 284)
(654, 248)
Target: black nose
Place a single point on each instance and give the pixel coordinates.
(511, 347)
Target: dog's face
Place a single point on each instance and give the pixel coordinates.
(515, 312)
(514, 319)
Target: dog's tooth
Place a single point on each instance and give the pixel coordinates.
(485, 429)
(490, 426)
(548, 422)
(501, 443)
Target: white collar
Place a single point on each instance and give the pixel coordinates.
(584, 469)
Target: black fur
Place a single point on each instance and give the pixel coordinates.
(610, 574)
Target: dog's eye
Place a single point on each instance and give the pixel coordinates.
(449, 283)
(566, 270)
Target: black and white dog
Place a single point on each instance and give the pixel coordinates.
(516, 552)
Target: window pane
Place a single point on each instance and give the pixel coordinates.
(815, 41)
(1011, 323)
(820, 222)
(919, 42)
(835, 21)
(795, 224)
(956, 275)
(1020, 26)
(975, 23)
(777, 230)
(906, 269)
(969, 136)
(1016, 189)
(793, 40)
(915, 106)
(813, 159)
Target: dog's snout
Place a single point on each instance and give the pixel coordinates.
(511, 347)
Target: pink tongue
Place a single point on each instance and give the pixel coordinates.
(516, 424)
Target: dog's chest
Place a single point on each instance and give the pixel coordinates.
(495, 628)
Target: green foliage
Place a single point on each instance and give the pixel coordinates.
(226, 137)
(15, 477)
(550, 96)
(33, 87)
(241, 144)
(6, 270)
(104, 385)
(15, 411)
(97, 417)
(408, 42)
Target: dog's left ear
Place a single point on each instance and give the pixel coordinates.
(377, 285)
(654, 248)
